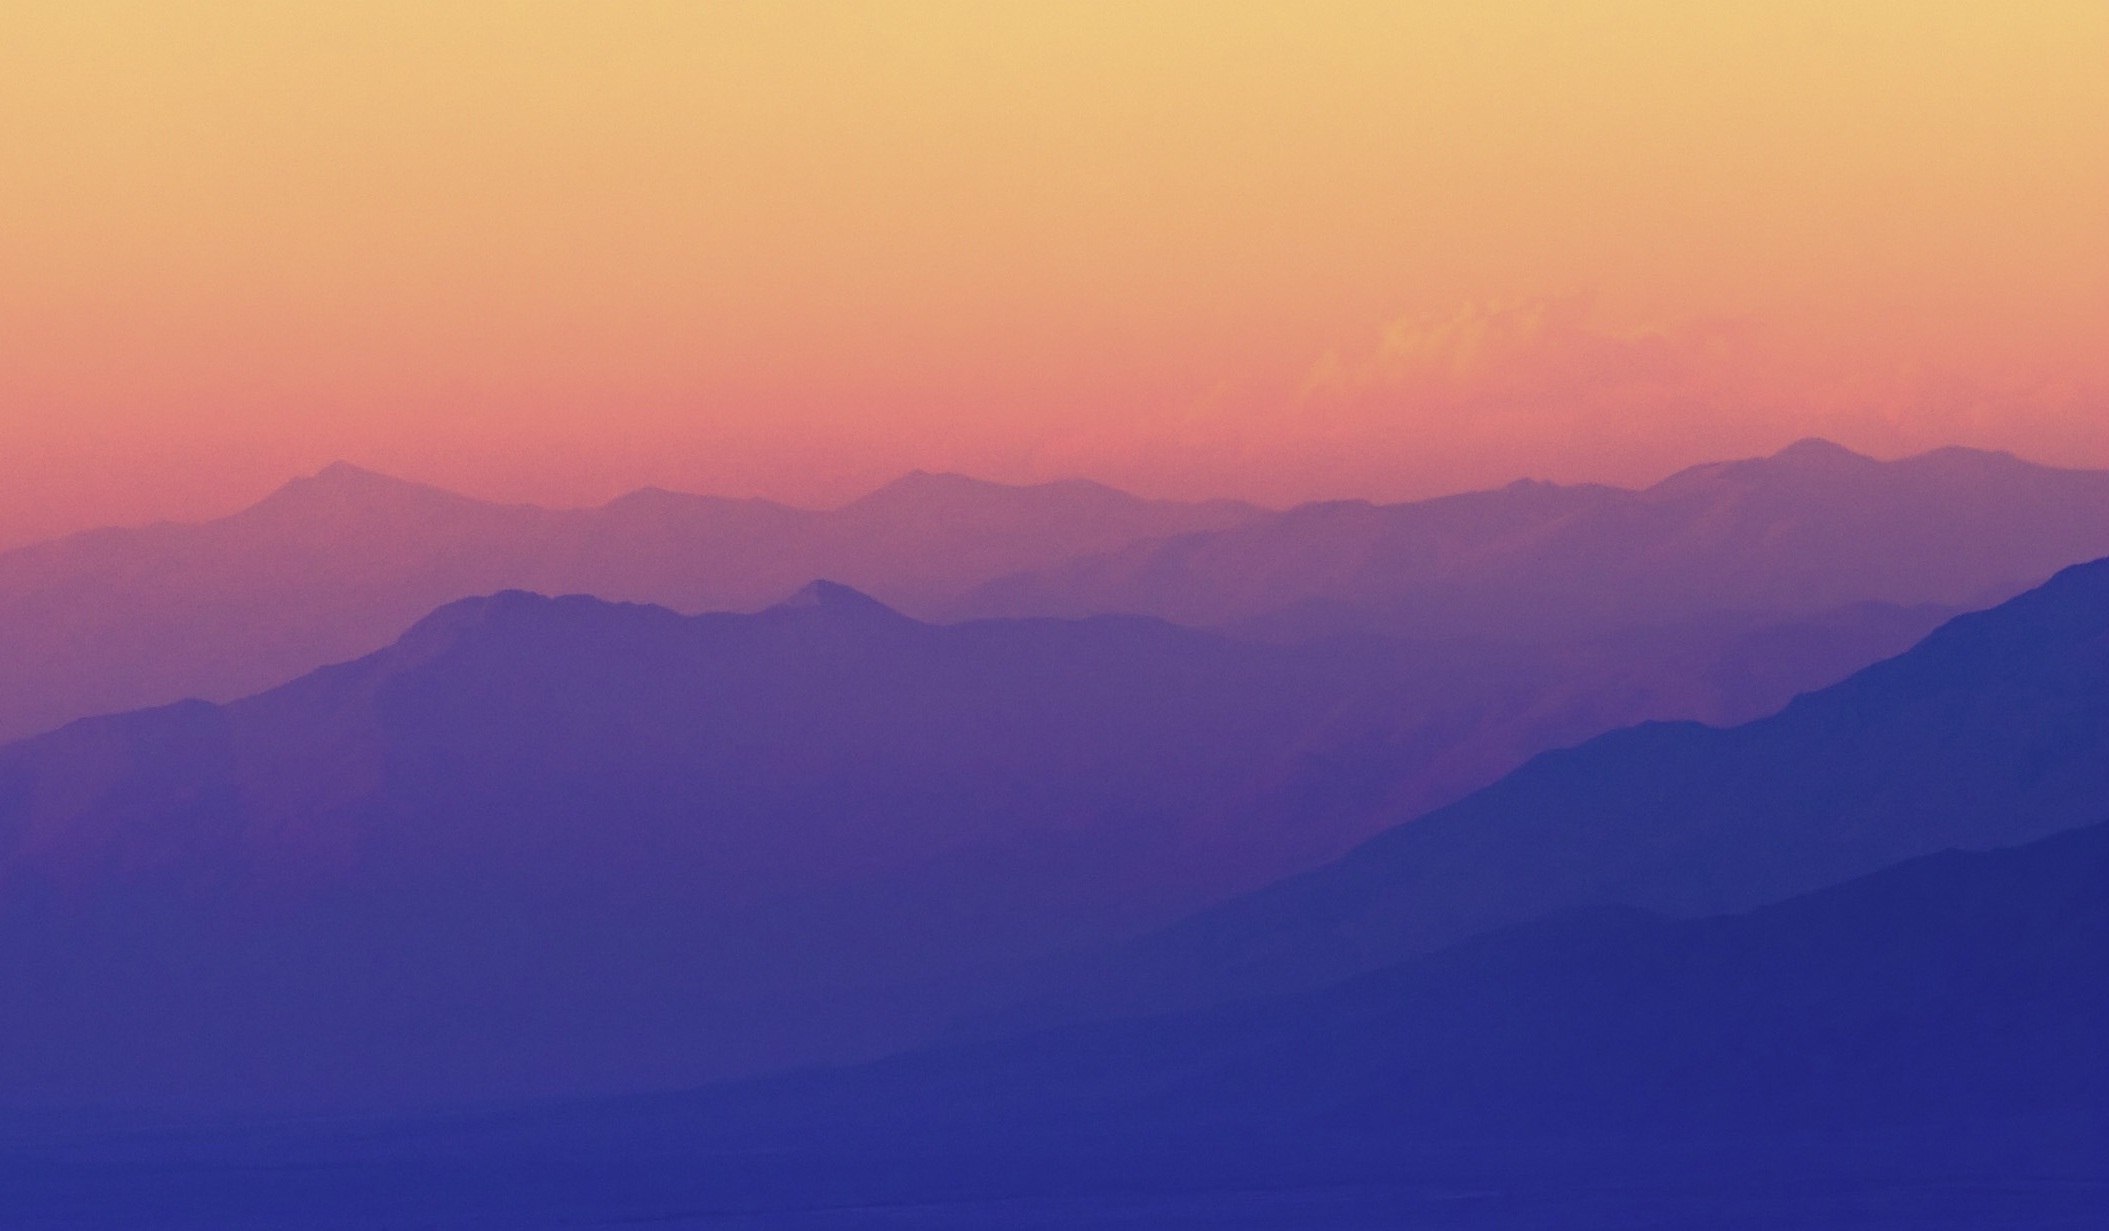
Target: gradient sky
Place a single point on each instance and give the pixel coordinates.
(553, 251)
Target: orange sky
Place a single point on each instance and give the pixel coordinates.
(557, 250)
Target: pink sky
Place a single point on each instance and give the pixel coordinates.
(554, 251)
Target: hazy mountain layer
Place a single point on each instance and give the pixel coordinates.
(338, 565)
(1811, 528)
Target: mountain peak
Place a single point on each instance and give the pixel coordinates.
(834, 598)
(1811, 455)
(1815, 450)
(343, 481)
(345, 477)
(923, 489)
(342, 472)
(925, 485)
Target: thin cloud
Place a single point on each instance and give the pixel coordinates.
(1548, 387)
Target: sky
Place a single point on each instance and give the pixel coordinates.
(1284, 251)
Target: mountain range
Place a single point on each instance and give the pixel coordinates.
(1918, 1047)
(703, 838)
(338, 565)
(1812, 528)
(542, 845)
(1300, 913)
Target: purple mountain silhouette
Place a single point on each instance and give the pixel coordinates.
(1811, 528)
(338, 565)
(559, 844)
(562, 843)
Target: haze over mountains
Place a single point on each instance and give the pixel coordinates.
(1640, 811)
(1210, 904)
(550, 813)
(562, 844)
(1811, 528)
(338, 565)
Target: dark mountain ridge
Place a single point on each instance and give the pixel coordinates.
(1960, 986)
(1918, 1047)
(1992, 731)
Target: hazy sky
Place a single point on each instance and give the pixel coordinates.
(553, 251)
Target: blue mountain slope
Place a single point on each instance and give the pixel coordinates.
(1992, 731)
(1921, 1047)
(559, 845)
(1953, 988)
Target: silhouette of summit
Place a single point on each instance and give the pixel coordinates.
(928, 490)
(835, 599)
(1818, 450)
(346, 489)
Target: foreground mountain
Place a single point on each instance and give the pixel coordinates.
(1992, 731)
(562, 844)
(338, 565)
(1920, 1047)
(1811, 528)
(1961, 988)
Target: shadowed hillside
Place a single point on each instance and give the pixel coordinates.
(564, 844)
(1992, 731)
(1917, 1048)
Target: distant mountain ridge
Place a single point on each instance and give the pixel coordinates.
(1812, 527)
(338, 564)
